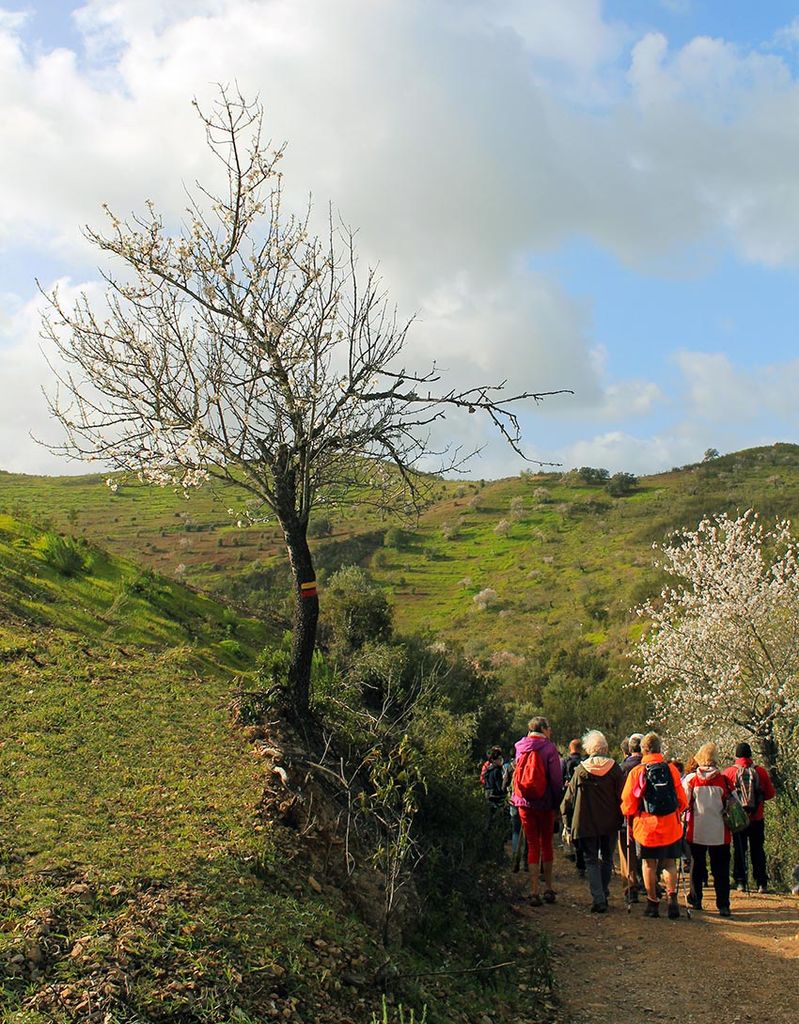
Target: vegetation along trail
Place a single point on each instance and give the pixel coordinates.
(707, 969)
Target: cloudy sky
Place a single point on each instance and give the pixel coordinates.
(601, 196)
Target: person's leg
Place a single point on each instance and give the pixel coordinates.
(739, 872)
(579, 862)
(649, 868)
(532, 834)
(697, 874)
(546, 826)
(720, 866)
(757, 837)
(670, 877)
(590, 848)
(606, 846)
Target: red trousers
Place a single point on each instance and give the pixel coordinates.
(538, 828)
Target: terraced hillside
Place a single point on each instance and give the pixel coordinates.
(565, 561)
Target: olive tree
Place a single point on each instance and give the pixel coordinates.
(239, 346)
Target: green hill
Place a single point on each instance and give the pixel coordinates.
(559, 562)
(151, 867)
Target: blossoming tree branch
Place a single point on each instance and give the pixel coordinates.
(721, 654)
(241, 347)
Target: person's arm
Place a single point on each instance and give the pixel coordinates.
(629, 801)
(567, 804)
(682, 796)
(766, 785)
(555, 772)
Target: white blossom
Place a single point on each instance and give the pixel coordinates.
(720, 658)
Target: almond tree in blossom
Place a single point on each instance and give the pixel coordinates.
(243, 348)
(720, 657)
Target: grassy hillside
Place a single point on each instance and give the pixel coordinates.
(151, 867)
(566, 560)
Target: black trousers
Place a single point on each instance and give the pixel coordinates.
(719, 865)
(750, 841)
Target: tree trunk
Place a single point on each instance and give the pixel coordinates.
(306, 616)
(306, 603)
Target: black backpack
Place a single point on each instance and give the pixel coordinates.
(747, 788)
(659, 795)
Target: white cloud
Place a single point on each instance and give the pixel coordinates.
(717, 390)
(459, 138)
(25, 421)
(619, 452)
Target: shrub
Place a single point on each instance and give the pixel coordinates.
(356, 610)
(146, 584)
(394, 538)
(589, 475)
(231, 647)
(502, 529)
(449, 531)
(516, 508)
(320, 526)
(621, 484)
(485, 598)
(65, 555)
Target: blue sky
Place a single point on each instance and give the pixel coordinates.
(571, 193)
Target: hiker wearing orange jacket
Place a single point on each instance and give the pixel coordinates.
(657, 831)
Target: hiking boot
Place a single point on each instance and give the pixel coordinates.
(652, 908)
(549, 896)
(674, 910)
(740, 886)
(725, 912)
(693, 901)
(633, 896)
(581, 872)
(599, 908)
(535, 900)
(762, 889)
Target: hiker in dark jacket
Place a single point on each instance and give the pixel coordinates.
(570, 763)
(494, 789)
(630, 872)
(591, 812)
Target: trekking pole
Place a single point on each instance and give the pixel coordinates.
(628, 896)
(683, 878)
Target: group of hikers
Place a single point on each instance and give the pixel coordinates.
(660, 817)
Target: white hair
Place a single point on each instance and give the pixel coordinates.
(594, 742)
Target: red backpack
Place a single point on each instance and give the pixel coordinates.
(484, 772)
(530, 777)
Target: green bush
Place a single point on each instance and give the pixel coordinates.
(320, 526)
(67, 556)
(231, 647)
(394, 537)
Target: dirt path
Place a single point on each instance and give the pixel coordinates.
(707, 970)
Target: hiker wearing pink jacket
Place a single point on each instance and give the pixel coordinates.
(537, 757)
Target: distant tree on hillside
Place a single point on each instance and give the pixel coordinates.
(242, 348)
(621, 484)
(710, 454)
(589, 475)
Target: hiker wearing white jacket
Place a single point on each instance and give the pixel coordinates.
(707, 791)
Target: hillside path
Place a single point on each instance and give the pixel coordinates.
(616, 966)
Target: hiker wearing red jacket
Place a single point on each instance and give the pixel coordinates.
(753, 793)
(653, 797)
(537, 756)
